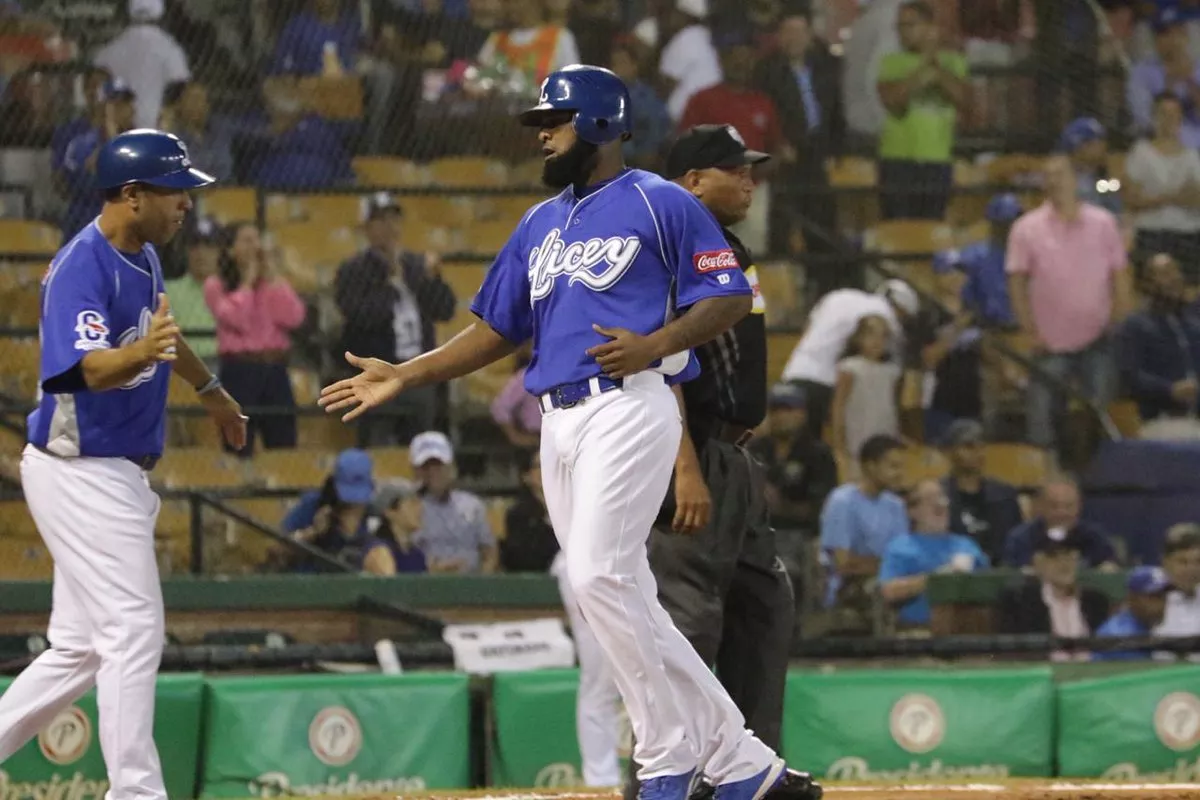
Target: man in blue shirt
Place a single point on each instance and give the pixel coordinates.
(985, 293)
(911, 558)
(76, 172)
(1059, 503)
(860, 519)
(108, 343)
(1145, 607)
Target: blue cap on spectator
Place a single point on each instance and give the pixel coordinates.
(1147, 580)
(352, 476)
(1167, 18)
(1079, 132)
(787, 395)
(118, 88)
(1003, 208)
(946, 261)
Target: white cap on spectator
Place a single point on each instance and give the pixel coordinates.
(430, 446)
(901, 295)
(693, 8)
(374, 205)
(145, 10)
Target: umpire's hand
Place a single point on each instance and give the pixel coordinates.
(693, 503)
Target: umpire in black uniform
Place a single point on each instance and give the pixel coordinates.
(712, 549)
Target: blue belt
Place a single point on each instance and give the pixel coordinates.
(146, 462)
(572, 394)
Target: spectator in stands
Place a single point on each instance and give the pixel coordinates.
(91, 87)
(397, 528)
(985, 292)
(866, 396)
(1145, 606)
(924, 89)
(256, 310)
(1140, 44)
(801, 470)
(860, 519)
(1181, 563)
(1059, 504)
(928, 547)
(455, 534)
(803, 79)
(77, 172)
(944, 355)
(1068, 284)
(813, 363)
(1085, 141)
(28, 110)
(188, 303)
(596, 25)
(529, 544)
(735, 102)
(651, 122)
(1160, 354)
(688, 62)
(389, 299)
(323, 38)
(147, 58)
(1051, 601)
(186, 114)
(1173, 71)
(528, 45)
(516, 411)
(980, 507)
(301, 149)
(1163, 185)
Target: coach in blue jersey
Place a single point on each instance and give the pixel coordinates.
(596, 276)
(108, 345)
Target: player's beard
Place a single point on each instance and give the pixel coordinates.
(572, 167)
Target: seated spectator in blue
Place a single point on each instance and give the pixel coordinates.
(323, 31)
(187, 114)
(982, 508)
(337, 518)
(1153, 76)
(301, 150)
(1059, 504)
(93, 82)
(929, 547)
(1159, 353)
(985, 293)
(396, 528)
(652, 124)
(1145, 607)
(859, 519)
(77, 173)
(1086, 142)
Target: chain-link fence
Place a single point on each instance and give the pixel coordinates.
(370, 164)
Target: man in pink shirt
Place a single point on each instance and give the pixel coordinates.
(1069, 284)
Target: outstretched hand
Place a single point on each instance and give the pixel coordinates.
(628, 353)
(378, 383)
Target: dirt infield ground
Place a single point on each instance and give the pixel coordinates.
(1007, 790)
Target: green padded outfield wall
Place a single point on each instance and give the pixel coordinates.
(64, 761)
(274, 736)
(883, 724)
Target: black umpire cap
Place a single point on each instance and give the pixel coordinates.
(708, 147)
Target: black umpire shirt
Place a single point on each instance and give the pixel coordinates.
(732, 385)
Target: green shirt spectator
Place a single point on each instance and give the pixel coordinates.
(186, 292)
(925, 131)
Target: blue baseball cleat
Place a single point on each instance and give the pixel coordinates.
(667, 787)
(776, 782)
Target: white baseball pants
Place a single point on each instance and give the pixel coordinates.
(606, 467)
(596, 716)
(107, 626)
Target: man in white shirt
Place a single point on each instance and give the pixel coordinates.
(813, 364)
(1181, 563)
(147, 58)
(689, 62)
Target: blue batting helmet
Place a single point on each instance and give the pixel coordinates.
(1003, 208)
(598, 97)
(148, 156)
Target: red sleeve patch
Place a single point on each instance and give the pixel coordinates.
(713, 260)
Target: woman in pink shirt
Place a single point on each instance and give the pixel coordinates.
(515, 410)
(256, 311)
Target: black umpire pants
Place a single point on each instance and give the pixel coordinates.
(727, 591)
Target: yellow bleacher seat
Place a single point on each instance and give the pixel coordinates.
(852, 171)
(497, 510)
(465, 278)
(228, 204)
(324, 210)
(390, 462)
(427, 236)
(921, 463)
(1022, 465)
(21, 306)
(461, 320)
(302, 469)
(779, 350)
(780, 294)
(487, 237)
(180, 392)
(387, 172)
(324, 433)
(527, 173)
(29, 236)
(448, 211)
(24, 560)
(20, 371)
(316, 250)
(1125, 416)
(509, 208)
(911, 236)
(967, 174)
(198, 468)
(306, 386)
(468, 171)
(16, 522)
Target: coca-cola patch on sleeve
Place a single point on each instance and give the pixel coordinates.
(713, 260)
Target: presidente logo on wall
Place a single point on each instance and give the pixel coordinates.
(335, 736)
(917, 723)
(67, 737)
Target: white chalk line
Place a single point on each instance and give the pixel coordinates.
(968, 788)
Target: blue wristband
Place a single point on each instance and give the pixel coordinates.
(213, 384)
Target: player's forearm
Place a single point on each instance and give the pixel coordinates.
(470, 350)
(702, 323)
(1018, 286)
(108, 369)
(189, 366)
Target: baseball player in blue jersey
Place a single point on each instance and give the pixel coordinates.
(108, 344)
(615, 279)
